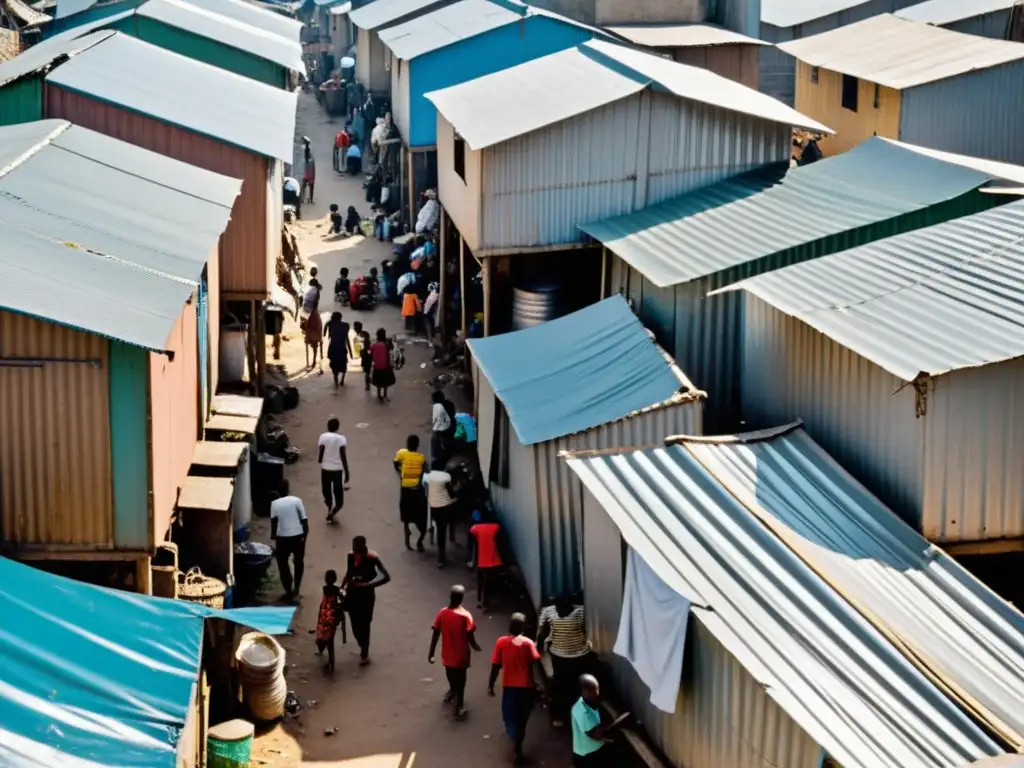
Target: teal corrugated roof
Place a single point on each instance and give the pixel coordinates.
(769, 211)
(97, 677)
(568, 375)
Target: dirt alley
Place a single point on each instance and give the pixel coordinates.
(389, 714)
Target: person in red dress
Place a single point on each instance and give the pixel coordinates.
(455, 628)
(515, 656)
(488, 558)
(329, 618)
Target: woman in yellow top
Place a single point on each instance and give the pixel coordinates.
(412, 505)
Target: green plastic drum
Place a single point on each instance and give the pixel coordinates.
(229, 744)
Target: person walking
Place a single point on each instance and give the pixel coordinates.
(313, 331)
(440, 426)
(364, 574)
(590, 745)
(329, 618)
(514, 659)
(332, 454)
(412, 503)
(309, 168)
(365, 358)
(455, 628)
(564, 624)
(383, 373)
(289, 527)
(488, 558)
(441, 498)
(339, 348)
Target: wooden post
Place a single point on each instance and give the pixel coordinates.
(143, 576)
(485, 269)
(604, 270)
(442, 301)
(412, 196)
(462, 282)
(261, 346)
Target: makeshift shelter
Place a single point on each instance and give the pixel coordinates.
(592, 379)
(528, 154)
(820, 625)
(905, 358)
(203, 35)
(887, 76)
(985, 18)
(708, 46)
(667, 258)
(450, 45)
(108, 260)
(93, 677)
(181, 108)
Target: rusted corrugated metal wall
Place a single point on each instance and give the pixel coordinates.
(174, 415)
(723, 718)
(55, 475)
(244, 250)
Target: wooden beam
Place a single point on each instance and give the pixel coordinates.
(462, 282)
(485, 268)
(442, 302)
(144, 576)
(994, 547)
(58, 554)
(604, 270)
(261, 346)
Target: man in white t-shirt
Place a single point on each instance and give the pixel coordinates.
(441, 499)
(289, 527)
(333, 458)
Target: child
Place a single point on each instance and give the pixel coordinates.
(336, 221)
(352, 220)
(330, 616)
(341, 287)
(412, 308)
(364, 352)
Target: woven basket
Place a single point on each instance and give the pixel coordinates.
(197, 588)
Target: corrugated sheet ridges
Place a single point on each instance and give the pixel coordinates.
(931, 301)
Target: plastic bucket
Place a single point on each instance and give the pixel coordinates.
(229, 744)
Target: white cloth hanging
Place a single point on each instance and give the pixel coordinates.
(652, 631)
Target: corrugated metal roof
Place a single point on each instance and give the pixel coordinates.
(237, 34)
(942, 12)
(901, 54)
(789, 13)
(682, 35)
(142, 221)
(247, 13)
(445, 26)
(184, 92)
(589, 368)
(926, 302)
(771, 210)
(213, 26)
(43, 55)
(341, 10)
(67, 8)
(961, 632)
(538, 93)
(822, 662)
(380, 12)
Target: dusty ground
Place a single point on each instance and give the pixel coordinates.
(388, 715)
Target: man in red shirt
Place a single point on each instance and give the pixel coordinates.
(341, 142)
(455, 629)
(514, 657)
(488, 559)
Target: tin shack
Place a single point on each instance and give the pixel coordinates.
(905, 359)
(203, 35)
(450, 45)
(528, 154)
(790, 607)
(105, 340)
(592, 379)
(985, 18)
(667, 258)
(915, 82)
(184, 109)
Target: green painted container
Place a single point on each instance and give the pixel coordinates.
(229, 744)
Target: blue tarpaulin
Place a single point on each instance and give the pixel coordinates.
(95, 677)
(580, 371)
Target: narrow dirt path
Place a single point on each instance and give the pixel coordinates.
(388, 715)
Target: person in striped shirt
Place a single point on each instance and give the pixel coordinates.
(563, 628)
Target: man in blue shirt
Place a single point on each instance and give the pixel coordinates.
(590, 747)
